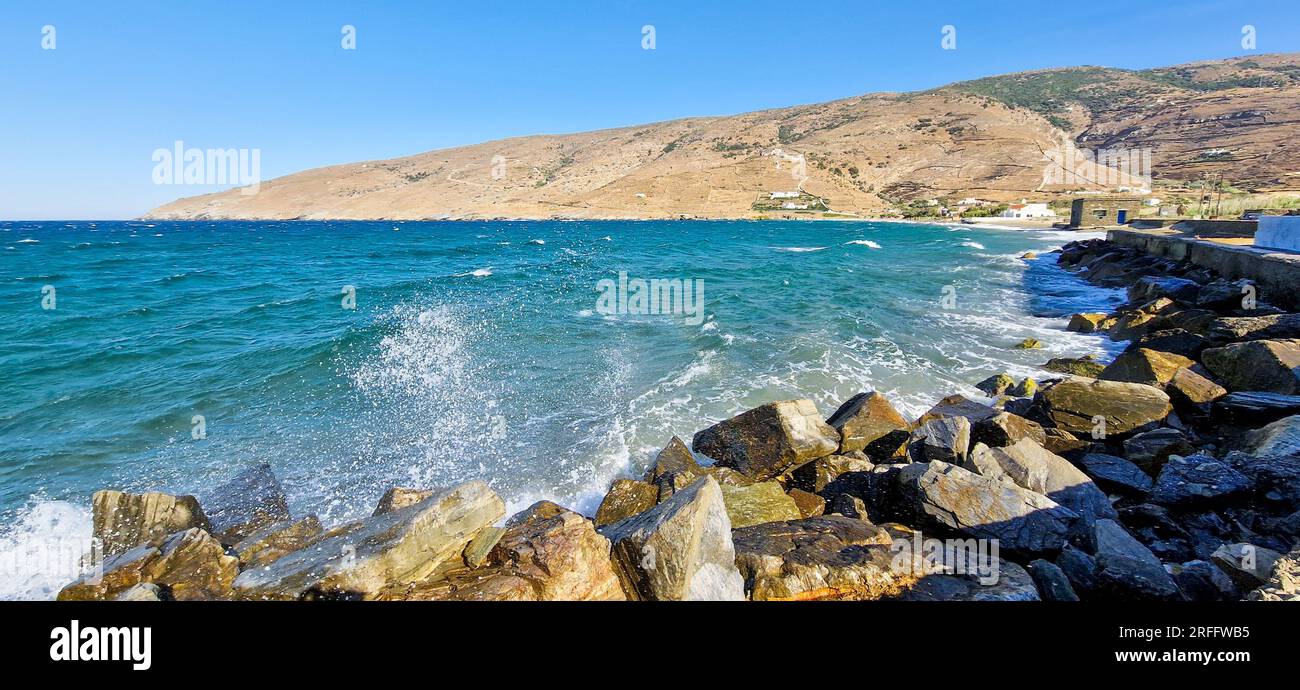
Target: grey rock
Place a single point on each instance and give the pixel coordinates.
(1051, 581)
(944, 438)
(250, 501)
(1198, 480)
(1126, 569)
(769, 440)
(1114, 473)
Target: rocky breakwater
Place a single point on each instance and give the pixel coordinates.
(1171, 473)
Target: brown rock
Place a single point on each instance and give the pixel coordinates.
(815, 475)
(1075, 366)
(758, 503)
(1145, 366)
(398, 498)
(274, 541)
(1189, 389)
(957, 406)
(674, 458)
(118, 573)
(123, 521)
(1004, 429)
(865, 422)
(810, 504)
(1073, 404)
(1086, 323)
(193, 566)
(828, 557)
(769, 440)
(1270, 366)
(626, 497)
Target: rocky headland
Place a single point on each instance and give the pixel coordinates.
(1170, 473)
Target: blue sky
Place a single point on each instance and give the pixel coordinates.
(79, 123)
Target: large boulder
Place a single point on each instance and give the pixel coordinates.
(679, 550)
(1004, 429)
(758, 503)
(1012, 584)
(996, 385)
(1073, 404)
(122, 521)
(1198, 480)
(253, 499)
(1030, 466)
(1087, 322)
(1250, 408)
(810, 504)
(947, 497)
(942, 438)
(1270, 366)
(545, 553)
(1114, 473)
(1224, 295)
(867, 422)
(273, 541)
(363, 558)
(1148, 288)
(674, 458)
(1203, 581)
(1126, 569)
(626, 497)
(1189, 390)
(1276, 438)
(116, 574)
(1247, 565)
(1178, 341)
(957, 406)
(829, 557)
(1145, 366)
(1051, 581)
(1270, 327)
(1076, 366)
(770, 439)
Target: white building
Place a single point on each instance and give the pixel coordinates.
(1023, 210)
(785, 195)
(791, 206)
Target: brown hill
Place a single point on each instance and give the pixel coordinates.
(985, 138)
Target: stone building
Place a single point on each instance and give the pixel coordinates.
(1104, 210)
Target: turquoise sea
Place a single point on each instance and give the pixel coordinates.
(177, 352)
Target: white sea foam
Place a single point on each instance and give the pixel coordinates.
(41, 549)
(477, 273)
(972, 244)
(865, 243)
(798, 249)
(28, 241)
(536, 241)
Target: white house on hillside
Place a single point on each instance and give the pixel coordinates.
(1023, 210)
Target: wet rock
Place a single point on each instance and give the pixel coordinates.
(1086, 323)
(673, 481)
(758, 503)
(679, 550)
(118, 573)
(1125, 407)
(1145, 366)
(957, 406)
(1075, 366)
(1126, 569)
(1025, 389)
(1276, 478)
(1132, 325)
(1202, 581)
(1198, 480)
(1276, 438)
(814, 476)
(867, 422)
(1051, 581)
(996, 385)
(1247, 565)
(674, 458)
(1030, 466)
(945, 438)
(1004, 429)
(769, 440)
(1283, 583)
(1029, 344)
(193, 566)
(810, 504)
(1270, 366)
(949, 497)
(398, 498)
(1175, 341)
(1271, 327)
(1114, 473)
(1191, 320)
(847, 505)
(626, 498)
(828, 557)
(479, 549)
(252, 500)
(273, 541)
(545, 553)
(122, 521)
(1150, 449)
(391, 549)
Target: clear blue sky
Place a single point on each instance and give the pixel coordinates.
(79, 124)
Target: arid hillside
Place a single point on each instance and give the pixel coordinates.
(988, 139)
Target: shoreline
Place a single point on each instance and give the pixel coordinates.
(1076, 515)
